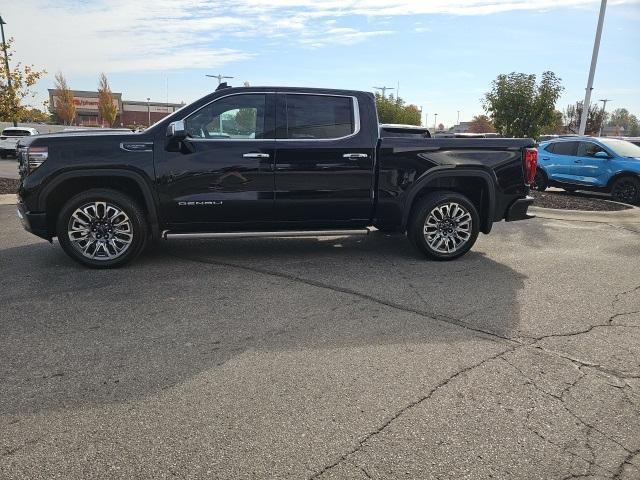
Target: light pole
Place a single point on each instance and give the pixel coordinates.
(592, 69)
(6, 65)
(458, 122)
(220, 77)
(435, 121)
(604, 109)
(384, 89)
(148, 113)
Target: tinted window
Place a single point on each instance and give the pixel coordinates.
(319, 116)
(565, 148)
(588, 149)
(234, 117)
(549, 148)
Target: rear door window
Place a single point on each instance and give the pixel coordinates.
(312, 117)
(15, 133)
(566, 148)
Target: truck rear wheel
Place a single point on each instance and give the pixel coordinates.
(444, 225)
(102, 228)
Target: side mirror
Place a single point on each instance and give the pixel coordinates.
(176, 130)
(602, 154)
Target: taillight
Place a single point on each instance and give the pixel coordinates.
(36, 156)
(530, 165)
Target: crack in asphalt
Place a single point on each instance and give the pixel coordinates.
(514, 344)
(315, 283)
(569, 411)
(428, 395)
(627, 461)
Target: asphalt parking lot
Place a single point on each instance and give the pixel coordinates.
(325, 358)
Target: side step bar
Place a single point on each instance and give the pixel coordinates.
(167, 234)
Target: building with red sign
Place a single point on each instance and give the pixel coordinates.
(130, 112)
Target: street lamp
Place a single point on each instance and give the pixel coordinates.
(6, 65)
(458, 118)
(148, 113)
(592, 69)
(435, 121)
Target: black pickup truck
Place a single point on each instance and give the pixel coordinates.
(265, 161)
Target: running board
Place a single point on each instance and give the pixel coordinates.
(167, 234)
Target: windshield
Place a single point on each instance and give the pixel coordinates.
(622, 147)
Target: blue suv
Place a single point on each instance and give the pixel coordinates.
(589, 163)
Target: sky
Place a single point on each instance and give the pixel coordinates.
(443, 54)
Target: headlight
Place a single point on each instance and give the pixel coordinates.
(36, 156)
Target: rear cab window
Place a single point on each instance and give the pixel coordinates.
(319, 117)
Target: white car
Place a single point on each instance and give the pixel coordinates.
(9, 139)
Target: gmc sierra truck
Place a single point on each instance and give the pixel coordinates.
(265, 161)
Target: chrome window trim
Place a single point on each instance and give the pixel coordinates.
(354, 103)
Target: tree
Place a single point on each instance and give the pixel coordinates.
(35, 115)
(246, 120)
(481, 124)
(23, 78)
(624, 122)
(595, 117)
(394, 110)
(107, 108)
(556, 126)
(519, 106)
(64, 107)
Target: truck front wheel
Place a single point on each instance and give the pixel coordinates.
(102, 228)
(444, 225)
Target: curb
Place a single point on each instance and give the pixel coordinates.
(8, 199)
(623, 216)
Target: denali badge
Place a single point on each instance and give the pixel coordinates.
(197, 204)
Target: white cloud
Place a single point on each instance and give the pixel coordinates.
(126, 35)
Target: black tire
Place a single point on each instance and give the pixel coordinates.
(541, 182)
(569, 189)
(441, 202)
(130, 238)
(626, 190)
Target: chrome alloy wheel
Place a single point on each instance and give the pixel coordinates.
(100, 231)
(447, 227)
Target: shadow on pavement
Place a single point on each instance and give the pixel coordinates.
(73, 336)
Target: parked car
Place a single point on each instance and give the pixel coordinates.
(9, 139)
(308, 162)
(590, 163)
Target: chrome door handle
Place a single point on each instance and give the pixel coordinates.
(256, 155)
(577, 161)
(355, 155)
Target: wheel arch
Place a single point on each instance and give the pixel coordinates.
(477, 185)
(618, 175)
(56, 193)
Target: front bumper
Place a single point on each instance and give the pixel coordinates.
(35, 223)
(518, 210)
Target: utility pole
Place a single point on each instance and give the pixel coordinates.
(458, 122)
(148, 112)
(435, 121)
(220, 77)
(592, 70)
(6, 66)
(384, 89)
(604, 109)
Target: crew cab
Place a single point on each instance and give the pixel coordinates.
(268, 161)
(9, 139)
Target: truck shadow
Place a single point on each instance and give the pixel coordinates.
(73, 336)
